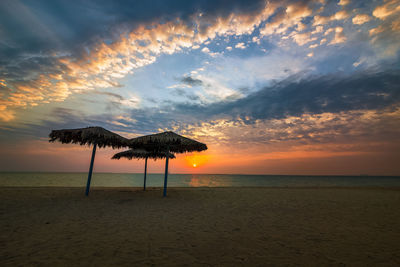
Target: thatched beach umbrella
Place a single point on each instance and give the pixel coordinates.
(167, 142)
(143, 154)
(96, 136)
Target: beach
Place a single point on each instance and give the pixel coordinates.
(53, 226)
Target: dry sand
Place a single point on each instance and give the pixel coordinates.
(200, 227)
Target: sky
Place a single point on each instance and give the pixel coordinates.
(272, 87)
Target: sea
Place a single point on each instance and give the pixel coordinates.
(46, 179)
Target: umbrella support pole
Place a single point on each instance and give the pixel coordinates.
(166, 177)
(90, 170)
(145, 174)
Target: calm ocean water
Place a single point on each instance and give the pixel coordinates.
(191, 180)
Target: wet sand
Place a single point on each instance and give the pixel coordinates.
(200, 227)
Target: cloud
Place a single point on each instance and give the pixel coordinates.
(358, 63)
(338, 37)
(361, 19)
(186, 94)
(125, 118)
(240, 46)
(302, 38)
(118, 101)
(114, 95)
(205, 50)
(385, 37)
(343, 131)
(132, 102)
(318, 29)
(321, 20)
(3, 83)
(296, 96)
(285, 17)
(256, 40)
(6, 115)
(344, 2)
(192, 82)
(389, 8)
(285, 20)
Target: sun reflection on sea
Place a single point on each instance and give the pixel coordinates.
(208, 181)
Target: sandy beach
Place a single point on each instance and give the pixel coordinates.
(200, 227)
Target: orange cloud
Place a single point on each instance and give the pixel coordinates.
(321, 20)
(361, 19)
(6, 115)
(276, 134)
(387, 9)
(338, 37)
(344, 2)
(303, 38)
(290, 16)
(385, 37)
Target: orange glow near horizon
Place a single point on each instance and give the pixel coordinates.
(196, 160)
(302, 159)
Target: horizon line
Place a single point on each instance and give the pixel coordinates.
(162, 173)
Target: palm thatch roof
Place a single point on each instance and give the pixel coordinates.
(89, 136)
(141, 154)
(167, 140)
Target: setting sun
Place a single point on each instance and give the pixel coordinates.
(196, 160)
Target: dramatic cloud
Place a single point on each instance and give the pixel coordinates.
(101, 63)
(58, 72)
(297, 96)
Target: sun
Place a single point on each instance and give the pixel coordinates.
(195, 161)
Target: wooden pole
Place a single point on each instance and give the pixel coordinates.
(90, 170)
(166, 175)
(145, 173)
